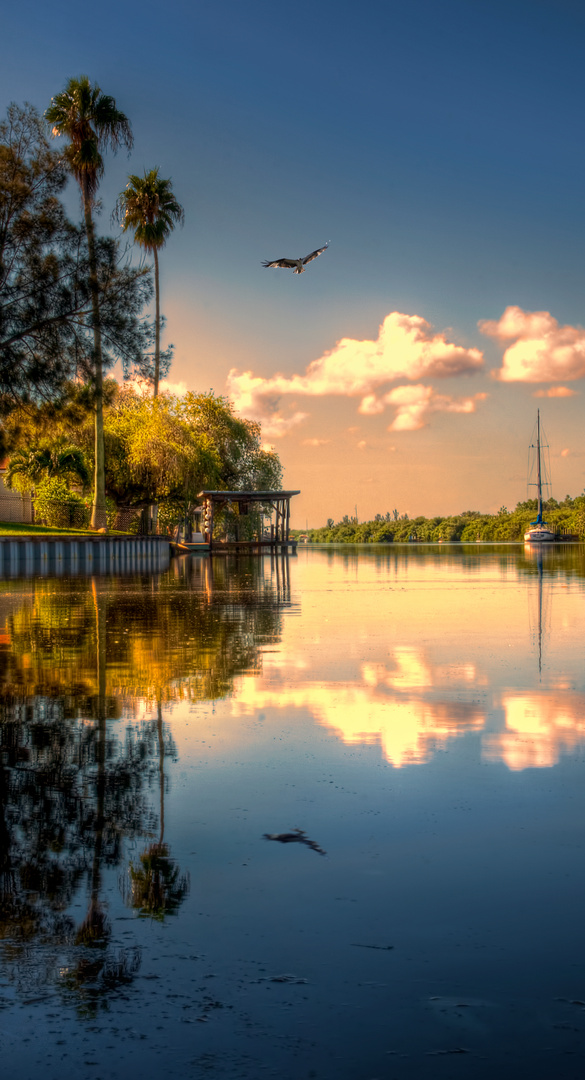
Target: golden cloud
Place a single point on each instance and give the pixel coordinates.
(414, 404)
(542, 351)
(405, 348)
(556, 391)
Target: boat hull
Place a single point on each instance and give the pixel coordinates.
(539, 536)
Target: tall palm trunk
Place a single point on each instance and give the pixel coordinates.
(98, 514)
(157, 326)
(154, 507)
(161, 769)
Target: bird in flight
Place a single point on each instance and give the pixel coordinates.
(296, 265)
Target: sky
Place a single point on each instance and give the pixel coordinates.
(439, 149)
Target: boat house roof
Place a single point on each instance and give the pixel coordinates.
(246, 496)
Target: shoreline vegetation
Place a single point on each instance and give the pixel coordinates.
(92, 454)
(567, 518)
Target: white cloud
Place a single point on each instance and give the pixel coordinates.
(315, 442)
(405, 348)
(414, 404)
(542, 351)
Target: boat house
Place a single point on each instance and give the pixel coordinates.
(239, 519)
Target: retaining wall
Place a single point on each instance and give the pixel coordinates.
(92, 555)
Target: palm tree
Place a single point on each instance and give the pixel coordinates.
(37, 462)
(91, 122)
(149, 207)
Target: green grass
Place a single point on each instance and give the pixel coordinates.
(18, 528)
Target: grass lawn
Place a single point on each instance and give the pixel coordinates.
(18, 528)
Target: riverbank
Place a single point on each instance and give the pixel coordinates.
(18, 529)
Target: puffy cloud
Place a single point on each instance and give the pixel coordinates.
(413, 405)
(275, 425)
(542, 351)
(405, 348)
(556, 391)
(315, 442)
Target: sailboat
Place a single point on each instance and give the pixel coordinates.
(539, 532)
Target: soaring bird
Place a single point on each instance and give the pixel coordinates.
(296, 265)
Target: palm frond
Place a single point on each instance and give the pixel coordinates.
(92, 123)
(149, 207)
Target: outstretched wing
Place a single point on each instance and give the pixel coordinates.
(313, 255)
(287, 264)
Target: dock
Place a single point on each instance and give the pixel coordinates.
(237, 514)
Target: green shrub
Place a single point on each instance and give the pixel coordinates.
(59, 507)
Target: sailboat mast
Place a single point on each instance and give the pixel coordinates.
(538, 460)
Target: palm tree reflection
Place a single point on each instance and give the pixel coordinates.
(157, 887)
(74, 659)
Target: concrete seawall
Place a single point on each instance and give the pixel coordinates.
(50, 556)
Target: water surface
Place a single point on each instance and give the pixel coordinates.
(419, 713)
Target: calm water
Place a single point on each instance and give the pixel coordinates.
(418, 712)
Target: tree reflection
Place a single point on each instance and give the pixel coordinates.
(76, 657)
(157, 886)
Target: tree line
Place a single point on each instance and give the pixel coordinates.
(72, 305)
(566, 517)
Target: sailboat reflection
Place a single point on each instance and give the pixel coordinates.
(541, 725)
(536, 555)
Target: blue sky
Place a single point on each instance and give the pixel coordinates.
(438, 146)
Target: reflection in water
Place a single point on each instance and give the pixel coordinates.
(443, 876)
(392, 706)
(538, 729)
(412, 704)
(75, 658)
(157, 886)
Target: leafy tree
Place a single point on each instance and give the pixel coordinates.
(244, 463)
(46, 331)
(154, 454)
(149, 207)
(91, 122)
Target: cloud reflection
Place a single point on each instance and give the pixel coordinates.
(539, 728)
(391, 706)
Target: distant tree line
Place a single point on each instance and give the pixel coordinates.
(567, 516)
